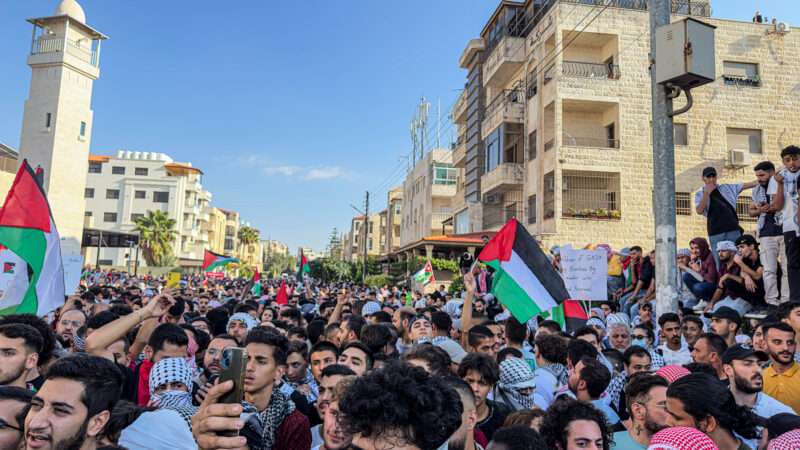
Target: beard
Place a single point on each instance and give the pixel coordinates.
(9, 377)
(651, 426)
(74, 442)
(745, 386)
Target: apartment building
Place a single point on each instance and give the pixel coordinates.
(216, 230)
(554, 120)
(353, 245)
(273, 247)
(428, 191)
(125, 186)
(231, 245)
(394, 216)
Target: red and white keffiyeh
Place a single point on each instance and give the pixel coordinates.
(787, 441)
(672, 373)
(681, 438)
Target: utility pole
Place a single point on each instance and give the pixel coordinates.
(366, 236)
(663, 173)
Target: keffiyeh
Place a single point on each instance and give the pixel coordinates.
(672, 373)
(309, 381)
(681, 438)
(786, 441)
(266, 422)
(515, 374)
(170, 370)
(245, 318)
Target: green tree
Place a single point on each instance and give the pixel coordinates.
(330, 269)
(248, 236)
(156, 234)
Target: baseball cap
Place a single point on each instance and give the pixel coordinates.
(726, 312)
(709, 172)
(726, 246)
(742, 351)
(370, 308)
(746, 239)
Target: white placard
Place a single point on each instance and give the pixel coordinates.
(585, 273)
(73, 268)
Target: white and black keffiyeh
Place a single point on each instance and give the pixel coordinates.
(516, 374)
(245, 318)
(170, 370)
(308, 380)
(268, 420)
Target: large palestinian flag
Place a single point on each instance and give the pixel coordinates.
(27, 229)
(303, 269)
(213, 261)
(524, 280)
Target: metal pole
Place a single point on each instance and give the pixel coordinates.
(663, 174)
(366, 236)
(136, 262)
(99, 243)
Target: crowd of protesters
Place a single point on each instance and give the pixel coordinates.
(129, 364)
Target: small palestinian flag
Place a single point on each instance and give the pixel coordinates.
(425, 275)
(27, 229)
(569, 314)
(213, 261)
(256, 289)
(523, 280)
(282, 298)
(8, 267)
(303, 269)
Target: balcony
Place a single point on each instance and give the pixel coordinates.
(590, 70)
(496, 215)
(460, 151)
(504, 177)
(507, 107)
(504, 60)
(437, 226)
(578, 141)
(589, 123)
(443, 190)
(53, 45)
(460, 109)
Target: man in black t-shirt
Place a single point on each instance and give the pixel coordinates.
(749, 284)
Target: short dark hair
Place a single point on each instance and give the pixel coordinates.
(48, 336)
(477, 334)
(790, 150)
(694, 319)
(279, 344)
(668, 317)
(485, 365)
(634, 350)
(716, 342)
(639, 386)
(552, 348)
(461, 386)
(696, 367)
(550, 325)
(376, 336)
(766, 166)
(355, 324)
(382, 317)
(314, 330)
(20, 395)
(336, 369)
(438, 360)
(636, 248)
(780, 326)
(508, 352)
(360, 345)
(651, 335)
(519, 437)
(586, 330)
(101, 319)
(515, 331)
(425, 410)
(101, 379)
(785, 309)
(596, 376)
(167, 332)
(577, 349)
(292, 313)
(441, 320)
(556, 422)
(30, 336)
(324, 346)
(298, 347)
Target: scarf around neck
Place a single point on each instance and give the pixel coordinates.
(269, 420)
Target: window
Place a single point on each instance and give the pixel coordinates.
(444, 174)
(742, 205)
(744, 139)
(105, 262)
(160, 197)
(611, 135)
(109, 217)
(87, 214)
(683, 203)
(117, 170)
(88, 193)
(140, 171)
(592, 195)
(532, 150)
(740, 74)
(532, 209)
(493, 149)
(48, 120)
(95, 167)
(549, 200)
(83, 129)
(136, 216)
(681, 134)
(112, 194)
(139, 194)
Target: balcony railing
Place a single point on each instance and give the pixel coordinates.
(460, 109)
(504, 59)
(497, 215)
(686, 7)
(503, 177)
(590, 70)
(57, 45)
(579, 141)
(549, 73)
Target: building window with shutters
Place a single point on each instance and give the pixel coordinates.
(532, 209)
(683, 203)
(736, 73)
(744, 139)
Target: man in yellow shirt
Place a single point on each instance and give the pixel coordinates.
(782, 377)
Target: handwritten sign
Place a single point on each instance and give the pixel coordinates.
(585, 273)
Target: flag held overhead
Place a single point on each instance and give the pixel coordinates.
(213, 261)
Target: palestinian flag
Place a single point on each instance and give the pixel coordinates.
(569, 314)
(28, 230)
(282, 298)
(425, 275)
(303, 269)
(256, 289)
(213, 261)
(8, 267)
(524, 280)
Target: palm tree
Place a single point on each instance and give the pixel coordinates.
(248, 236)
(156, 234)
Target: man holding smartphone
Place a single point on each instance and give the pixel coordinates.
(767, 201)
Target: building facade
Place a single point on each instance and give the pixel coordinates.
(353, 247)
(554, 123)
(121, 188)
(428, 191)
(394, 217)
(216, 230)
(231, 244)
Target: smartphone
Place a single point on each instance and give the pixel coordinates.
(234, 366)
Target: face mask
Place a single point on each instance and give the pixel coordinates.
(171, 399)
(639, 342)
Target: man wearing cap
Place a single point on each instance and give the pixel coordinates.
(725, 323)
(727, 293)
(718, 203)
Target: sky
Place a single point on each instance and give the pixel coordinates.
(293, 110)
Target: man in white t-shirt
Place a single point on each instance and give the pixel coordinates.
(767, 203)
(788, 176)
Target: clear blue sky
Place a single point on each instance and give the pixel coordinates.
(292, 109)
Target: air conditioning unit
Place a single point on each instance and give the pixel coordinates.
(739, 158)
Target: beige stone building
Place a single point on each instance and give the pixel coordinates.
(394, 216)
(353, 245)
(215, 227)
(554, 122)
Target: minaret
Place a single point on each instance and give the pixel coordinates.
(57, 125)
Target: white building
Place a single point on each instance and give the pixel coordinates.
(123, 187)
(57, 122)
